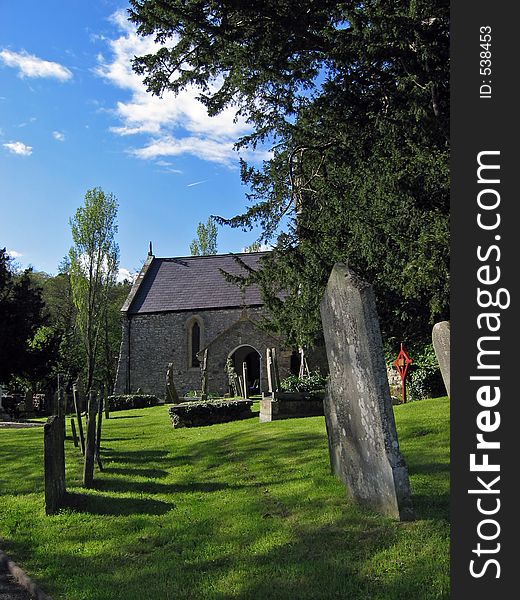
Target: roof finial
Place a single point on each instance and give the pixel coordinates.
(150, 253)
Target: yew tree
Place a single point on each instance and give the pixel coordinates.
(353, 100)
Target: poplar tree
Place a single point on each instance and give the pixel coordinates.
(206, 241)
(94, 261)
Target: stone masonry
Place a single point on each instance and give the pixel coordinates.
(151, 341)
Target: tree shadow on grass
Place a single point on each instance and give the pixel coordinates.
(154, 487)
(96, 504)
(136, 472)
(112, 417)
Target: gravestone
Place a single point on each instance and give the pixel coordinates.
(245, 381)
(441, 345)
(54, 463)
(171, 391)
(270, 375)
(77, 408)
(204, 376)
(363, 446)
(90, 442)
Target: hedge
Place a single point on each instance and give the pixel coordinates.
(126, 401)
(198, 414)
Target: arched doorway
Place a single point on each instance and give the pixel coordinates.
(252, 358)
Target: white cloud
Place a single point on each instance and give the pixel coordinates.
(14, 254)
(18, 148)
(125, 274)
(262, 248)
(29, 65)
(208, 138)
(58, 136)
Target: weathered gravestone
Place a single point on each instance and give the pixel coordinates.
(171, 392)
(54, 463)
(90, 442)
(363, 446)
(441, 345)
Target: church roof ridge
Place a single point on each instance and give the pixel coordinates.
(201, 256)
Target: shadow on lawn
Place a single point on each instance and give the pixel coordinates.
(125, 417)
(136, 472)
(96, 504)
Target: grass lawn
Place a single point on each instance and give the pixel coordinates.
(237, 510)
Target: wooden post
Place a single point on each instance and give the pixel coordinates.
(90, 447)
(78, 416)
(98, 435)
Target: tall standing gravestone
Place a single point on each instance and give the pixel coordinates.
(171, 392)
(441, 345)
(363, 446)
(54, 463)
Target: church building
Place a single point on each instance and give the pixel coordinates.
(176, 309)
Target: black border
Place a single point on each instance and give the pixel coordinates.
(479, 124)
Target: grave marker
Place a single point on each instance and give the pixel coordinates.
(441, 344)
(54, 462)
(90, 446)
(363, 446)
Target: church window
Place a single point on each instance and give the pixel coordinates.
(195, 344)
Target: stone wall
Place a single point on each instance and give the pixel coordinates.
(151, 341)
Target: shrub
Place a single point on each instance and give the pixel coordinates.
(312, 383)
(126, 401)
(424, 379)
(198, 414)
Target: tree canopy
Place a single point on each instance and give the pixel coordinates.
(206, 241)
(353, 99)
(21, 317)
(94, 261)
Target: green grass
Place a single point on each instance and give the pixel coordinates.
(237, 510)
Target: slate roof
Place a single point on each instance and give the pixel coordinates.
(191, 283)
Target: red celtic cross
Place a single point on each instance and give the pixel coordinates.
(402, 362)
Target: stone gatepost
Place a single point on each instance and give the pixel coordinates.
(363, 446)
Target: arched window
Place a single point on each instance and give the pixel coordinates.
(195, 344)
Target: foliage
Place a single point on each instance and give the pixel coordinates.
(209, 412)
(353, 100)
(206, 242)
(313, 382)
(239, 510)
(254, 247)
(424, 379)
(128, 401)
(94, 260)
(25, 346)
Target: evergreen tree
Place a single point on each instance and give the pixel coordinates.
(354, 100)
(21, 315)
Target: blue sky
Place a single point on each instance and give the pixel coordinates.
(73, 116)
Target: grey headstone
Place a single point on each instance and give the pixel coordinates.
(363, 446)
(441, 345)
(171, 391)
(54, 463)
